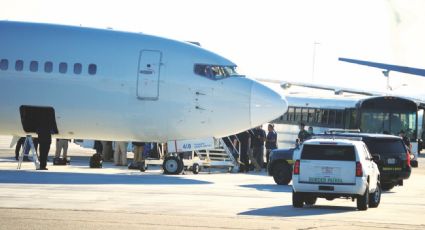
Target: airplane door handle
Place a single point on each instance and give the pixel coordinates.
(146, 71)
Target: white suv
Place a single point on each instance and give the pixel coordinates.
(334, 168)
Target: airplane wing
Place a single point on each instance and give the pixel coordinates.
(387, 67)
(336, 89)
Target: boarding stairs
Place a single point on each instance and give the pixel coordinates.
(219, 157)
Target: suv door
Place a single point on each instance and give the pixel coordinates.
(372, 168)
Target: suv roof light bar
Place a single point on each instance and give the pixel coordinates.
(333, 131)
(333, 137)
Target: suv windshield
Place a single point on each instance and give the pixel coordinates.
(215, 72)
(386, 148)
(328, 152)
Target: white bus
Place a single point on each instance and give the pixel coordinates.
(384, 114)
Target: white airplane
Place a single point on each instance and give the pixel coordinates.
(110, 85)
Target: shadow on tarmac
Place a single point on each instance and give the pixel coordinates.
(289, 211)
(39, 177)
(269, 187)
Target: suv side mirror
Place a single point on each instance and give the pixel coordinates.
(376, 157)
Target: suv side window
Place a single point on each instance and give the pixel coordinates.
(387, 147)
(366, 152)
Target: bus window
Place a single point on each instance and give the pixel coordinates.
(318, 116)
(388, 115)
(331, 118)
(325, 115)
(290, 114)
(338, 119)
(298, 115)
(310, 118)
(304, 115)
(350, 119)
(375, 122)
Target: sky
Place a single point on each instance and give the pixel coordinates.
(298, 40)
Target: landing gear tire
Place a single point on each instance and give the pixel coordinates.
(196, 168)
(172, 165)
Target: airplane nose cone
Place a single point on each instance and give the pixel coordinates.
(266, 104)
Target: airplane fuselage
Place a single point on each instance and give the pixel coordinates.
(110, 85)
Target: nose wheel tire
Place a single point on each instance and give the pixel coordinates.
(172, 165)
(196, 168)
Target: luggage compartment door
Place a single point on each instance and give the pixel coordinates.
(148, 74)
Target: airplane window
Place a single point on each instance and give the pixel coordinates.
(4, 64)
(19, 65)
(34, 66)
(92, 69)
(48, 67)
(63, 67)
(78, 68)
(215, 72)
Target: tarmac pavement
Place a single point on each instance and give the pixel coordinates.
(77, 197)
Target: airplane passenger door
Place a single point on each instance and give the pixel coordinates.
(148, 75)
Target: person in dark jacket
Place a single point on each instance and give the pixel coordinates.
(244, 139)
(303, 134)
(271, 141)
(258, 138)
(44, 133)
(406, 140)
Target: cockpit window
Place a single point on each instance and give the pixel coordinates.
(215, 72)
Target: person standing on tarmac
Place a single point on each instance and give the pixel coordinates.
(44, 133)
(406, 140)
(62, 144)
(107, 151)
(303, 134)
(244, 142)
(271, 141)
(138, 149)
(258, 138)
(120, 154)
